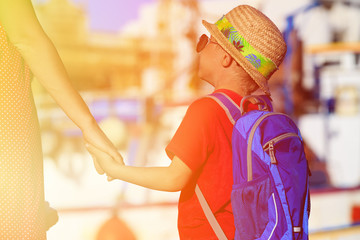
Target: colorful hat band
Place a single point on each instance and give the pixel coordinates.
(262, 64)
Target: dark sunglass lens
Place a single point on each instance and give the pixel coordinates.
(202, 43)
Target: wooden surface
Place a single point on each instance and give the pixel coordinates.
(348, 233)
(334, 47)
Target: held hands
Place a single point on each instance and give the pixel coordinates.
(100, 147)
(103, 161)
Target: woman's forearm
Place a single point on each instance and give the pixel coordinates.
(45, 63)
(26, 34)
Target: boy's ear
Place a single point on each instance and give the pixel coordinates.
(227, 60)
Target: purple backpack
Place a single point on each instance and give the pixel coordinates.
(270, 194)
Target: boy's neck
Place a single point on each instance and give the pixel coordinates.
(234, 84)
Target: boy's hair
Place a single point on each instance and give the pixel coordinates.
(246, 83)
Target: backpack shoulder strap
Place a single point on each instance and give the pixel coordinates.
(209, 215)
(231, 109)
(233, 113)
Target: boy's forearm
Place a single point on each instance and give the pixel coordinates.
(157, 178)
(172, 178)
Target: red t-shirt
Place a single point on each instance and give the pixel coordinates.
(203, 143)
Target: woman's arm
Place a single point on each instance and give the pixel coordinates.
(26, 34)
(172, 178)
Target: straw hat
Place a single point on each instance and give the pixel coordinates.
(253, 40)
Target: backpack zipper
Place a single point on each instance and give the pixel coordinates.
(270, 145)
(250, 140)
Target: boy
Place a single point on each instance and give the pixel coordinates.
(244, 50)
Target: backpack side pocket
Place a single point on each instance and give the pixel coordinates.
(251, 211)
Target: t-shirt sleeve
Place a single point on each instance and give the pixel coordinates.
(192, 140)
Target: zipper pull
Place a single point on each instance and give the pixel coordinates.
(272, 153)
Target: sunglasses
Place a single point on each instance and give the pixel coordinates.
(203, 41)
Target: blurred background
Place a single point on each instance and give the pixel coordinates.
(135, 64)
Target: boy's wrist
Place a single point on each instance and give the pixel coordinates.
(114, 171)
